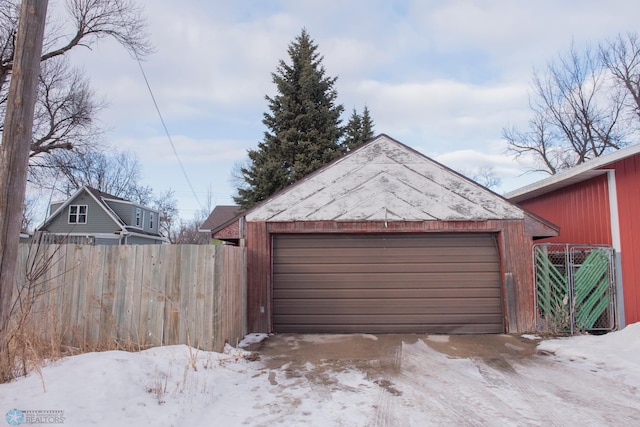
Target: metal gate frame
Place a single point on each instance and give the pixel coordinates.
(574, 288)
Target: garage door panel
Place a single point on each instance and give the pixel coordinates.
(424, 323)
(419, 328)
(387, 293)
(395, 280)
(389, 241)
(447, 283)
(381, 307)
(375, 319)
(386, 255)
(375, 259)
(385, 268)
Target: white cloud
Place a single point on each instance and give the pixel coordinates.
(442, 77)
(449, 111)
(512, 173)
(190, 150)
(503, 25)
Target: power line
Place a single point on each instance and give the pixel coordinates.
(166, 131)
(155, 103)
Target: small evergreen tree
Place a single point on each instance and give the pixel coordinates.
(352, 131)
(367, 125)
(303, 125)
(359, 130)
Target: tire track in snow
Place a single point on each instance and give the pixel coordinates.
(500, 374)
(447, 390)
(433, 386)
(386, 403)
(586, 399)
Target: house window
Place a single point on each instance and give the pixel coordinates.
(77, 214)
(152, 218)
(138, 217)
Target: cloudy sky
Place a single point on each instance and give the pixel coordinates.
(444, 77)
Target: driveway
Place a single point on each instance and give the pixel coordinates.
(417, 380)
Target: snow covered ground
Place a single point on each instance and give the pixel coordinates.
(584, 380)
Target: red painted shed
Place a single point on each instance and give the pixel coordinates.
(385, 239)
(597, 202)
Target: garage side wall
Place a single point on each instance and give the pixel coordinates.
(515, 257)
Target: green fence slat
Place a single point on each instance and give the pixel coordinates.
(551, 291)
(587, 319)
(591, 289)
(594, 306)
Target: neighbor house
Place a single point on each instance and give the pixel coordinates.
(219, 215)
(385, 239)
(597, 203)
(93, 217)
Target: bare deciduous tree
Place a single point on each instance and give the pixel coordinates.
(29, 211)
(90, 20)
(622, 58)
(539, 142)
(168, 206)
(65, 111)
(96, 19)
(116, 173)
(187, 233)
(576, 114)
(66, 106)
(485, 175)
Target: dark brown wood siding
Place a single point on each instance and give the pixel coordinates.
(424, 283)
(513, 241)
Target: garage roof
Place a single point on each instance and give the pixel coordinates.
(384, 180)
(221, 214)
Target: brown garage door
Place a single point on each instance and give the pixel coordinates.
(424, 283)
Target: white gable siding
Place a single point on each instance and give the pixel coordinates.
(385, 180)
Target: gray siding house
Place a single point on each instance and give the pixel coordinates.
(91, 216)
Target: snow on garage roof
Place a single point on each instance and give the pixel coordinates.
(384, 180)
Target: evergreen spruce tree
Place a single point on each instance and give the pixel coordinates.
(303, 125)
(359, 130)
(367, 125)
(352, 132)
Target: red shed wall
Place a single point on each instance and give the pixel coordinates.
(515, 255)
(581, 211)
(628, 189)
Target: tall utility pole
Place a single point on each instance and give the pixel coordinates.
(14, 150)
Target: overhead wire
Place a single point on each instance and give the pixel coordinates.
(166, 131)
(164, 126)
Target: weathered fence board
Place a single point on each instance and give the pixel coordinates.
(147, 295)
(172, 296)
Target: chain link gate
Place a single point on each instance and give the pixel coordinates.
(574, 288)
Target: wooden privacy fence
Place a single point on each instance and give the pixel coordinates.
(147, 295)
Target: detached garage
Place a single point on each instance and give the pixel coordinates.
(383, 240)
